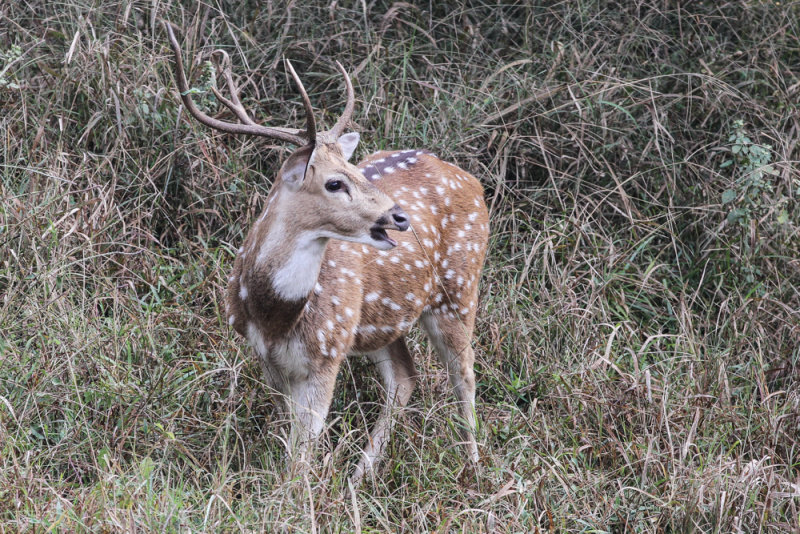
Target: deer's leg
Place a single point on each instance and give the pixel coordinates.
(308, 400)
(451, 338)
(277, 385)
(396, 368)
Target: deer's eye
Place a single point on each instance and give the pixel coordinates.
(334, 185)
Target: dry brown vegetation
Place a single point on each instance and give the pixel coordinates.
(639, 327)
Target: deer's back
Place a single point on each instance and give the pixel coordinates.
(367, 298)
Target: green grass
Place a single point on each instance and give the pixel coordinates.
(639, 324)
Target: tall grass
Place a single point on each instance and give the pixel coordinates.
(639, 319)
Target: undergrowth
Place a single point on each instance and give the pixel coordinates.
(639, 320)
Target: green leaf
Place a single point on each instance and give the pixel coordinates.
(146, 467)
(726, 163)
(728, 196)
(104, 455)
(769, 169)
(783, 217)
(166, 432)
(736, 149)
(735, 215)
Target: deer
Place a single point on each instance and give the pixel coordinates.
(344, 259)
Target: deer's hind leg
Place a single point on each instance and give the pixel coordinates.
(451, 337)
(396, 369)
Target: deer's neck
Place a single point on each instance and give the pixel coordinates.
(291, 261)
(279, 271)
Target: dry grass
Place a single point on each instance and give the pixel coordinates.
(639, 326)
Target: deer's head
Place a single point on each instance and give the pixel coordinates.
(328, 196)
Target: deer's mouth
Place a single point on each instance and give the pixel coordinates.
(379, 234)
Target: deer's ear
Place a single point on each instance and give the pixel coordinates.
(293, 171)
(348, 142)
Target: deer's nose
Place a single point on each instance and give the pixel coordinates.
(399, 218)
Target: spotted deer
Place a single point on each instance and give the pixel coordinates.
(319, 278)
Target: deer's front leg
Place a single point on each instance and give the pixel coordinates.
(308, 400)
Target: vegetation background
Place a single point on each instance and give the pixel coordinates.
(638, 330)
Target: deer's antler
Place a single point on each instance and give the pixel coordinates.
(247, 125)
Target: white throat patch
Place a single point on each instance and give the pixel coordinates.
(296, 278)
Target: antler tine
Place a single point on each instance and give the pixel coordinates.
(348, 108)
(249, 128)
(234, 104)
(311, 127)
